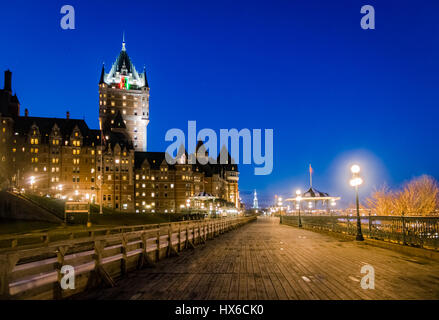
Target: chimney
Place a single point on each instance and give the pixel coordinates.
(68, 115)
(8, 81)
(26, 112)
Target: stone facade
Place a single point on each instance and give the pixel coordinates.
(63, 157)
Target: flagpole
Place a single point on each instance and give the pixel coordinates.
(310, 175)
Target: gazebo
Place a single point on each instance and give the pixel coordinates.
(201, 198)
(313, 197)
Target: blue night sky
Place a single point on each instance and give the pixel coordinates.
(332, 92)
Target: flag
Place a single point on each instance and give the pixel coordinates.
(310, 169)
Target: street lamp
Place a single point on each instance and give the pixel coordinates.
(298, 199)
(32, 182)
(355, 182)
(280, 205)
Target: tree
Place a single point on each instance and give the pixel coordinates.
(420, 196)
(381, 202)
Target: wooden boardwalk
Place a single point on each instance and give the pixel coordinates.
(266, 260)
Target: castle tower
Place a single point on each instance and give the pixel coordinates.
(255, 201)
(124, 94)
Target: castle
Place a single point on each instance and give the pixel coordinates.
(63, 157)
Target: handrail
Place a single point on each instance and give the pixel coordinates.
(44, 237)
(33, 272)
(35, 203)
(419, 231)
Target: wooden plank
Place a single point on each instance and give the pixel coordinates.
(265, 260)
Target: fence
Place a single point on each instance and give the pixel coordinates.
(414, 231)
(34, 271)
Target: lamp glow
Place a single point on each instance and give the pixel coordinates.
(355, 168)
(355, 182)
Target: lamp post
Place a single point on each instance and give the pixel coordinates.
(355, 182)
(298, 199)
(280, 205)
(32, 182)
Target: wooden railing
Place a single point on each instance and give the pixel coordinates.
(38, 238)
(34, 271)
(414, 230)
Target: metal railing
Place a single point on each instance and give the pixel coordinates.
(407, 230)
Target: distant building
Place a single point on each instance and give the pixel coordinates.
(63, 157)
(255, 201)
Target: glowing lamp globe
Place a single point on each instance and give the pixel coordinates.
(355, 168)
